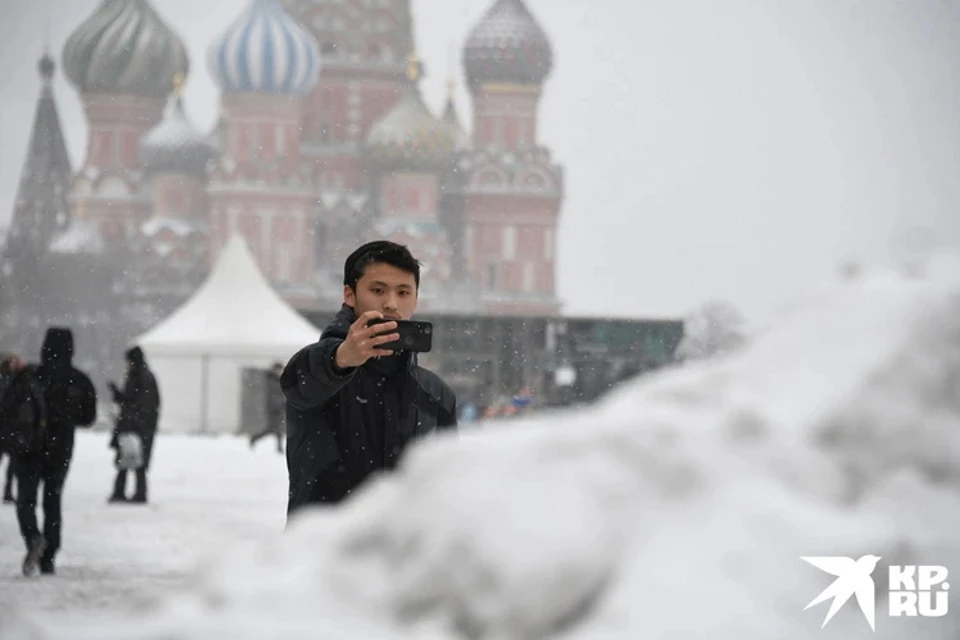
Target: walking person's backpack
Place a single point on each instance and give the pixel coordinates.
(23, 414)
(71, 398)
(82, 402)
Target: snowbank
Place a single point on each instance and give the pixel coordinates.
(678, 508)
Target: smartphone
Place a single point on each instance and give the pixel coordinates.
(414, 335)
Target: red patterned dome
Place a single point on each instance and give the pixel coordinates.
(507, 45)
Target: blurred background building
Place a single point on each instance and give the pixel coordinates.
(323, 142)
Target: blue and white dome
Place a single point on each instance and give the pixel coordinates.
(265, 51)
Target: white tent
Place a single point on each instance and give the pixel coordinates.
(233, 321)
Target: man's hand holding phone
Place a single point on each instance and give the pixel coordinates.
(362, 341)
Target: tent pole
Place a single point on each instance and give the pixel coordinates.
(204, 392)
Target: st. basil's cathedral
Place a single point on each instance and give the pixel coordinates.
(323, 142)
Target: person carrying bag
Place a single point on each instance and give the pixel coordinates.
(133, 437)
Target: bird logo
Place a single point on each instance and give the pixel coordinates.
(854, 578)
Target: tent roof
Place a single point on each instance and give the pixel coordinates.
(235, 312)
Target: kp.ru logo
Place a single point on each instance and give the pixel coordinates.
(914, 590)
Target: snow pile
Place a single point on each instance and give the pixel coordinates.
(679, 508)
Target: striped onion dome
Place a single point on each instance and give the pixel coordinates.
(265, 51)
(124, 48)
(174, 146)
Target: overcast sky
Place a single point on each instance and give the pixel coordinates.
(736, 149)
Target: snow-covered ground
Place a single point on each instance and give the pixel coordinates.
(205, 493)
(678, 508)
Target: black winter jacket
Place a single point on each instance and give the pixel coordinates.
(5, 381)
(139, 400)
(71, 400)
(23, 412)
(342, 428)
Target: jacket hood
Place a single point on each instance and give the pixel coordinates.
(135, 356)
(340, 325)
(57, 346)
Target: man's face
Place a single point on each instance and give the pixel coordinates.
(384, 288)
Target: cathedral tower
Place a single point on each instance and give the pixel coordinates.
(121, 60)
(511, 190)
(265, 64)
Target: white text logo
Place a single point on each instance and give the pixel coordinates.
(919, 591)
(914, 590)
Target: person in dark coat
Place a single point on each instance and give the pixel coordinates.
(139, 402)
(276, 408)
(353, 408)
(10, 365)
(70, 402)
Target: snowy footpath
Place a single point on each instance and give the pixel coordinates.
(205, 493)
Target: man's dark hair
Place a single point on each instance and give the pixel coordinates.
(396, 255)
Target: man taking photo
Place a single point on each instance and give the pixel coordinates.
(353, 407)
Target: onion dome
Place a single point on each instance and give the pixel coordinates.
(174, 146)
(409, 136)
(124, 48)
(265, 51)
(507, 45)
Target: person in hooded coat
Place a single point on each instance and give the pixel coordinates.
(10, 365)
(139, 402)
(71, 402)
(352, 407)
